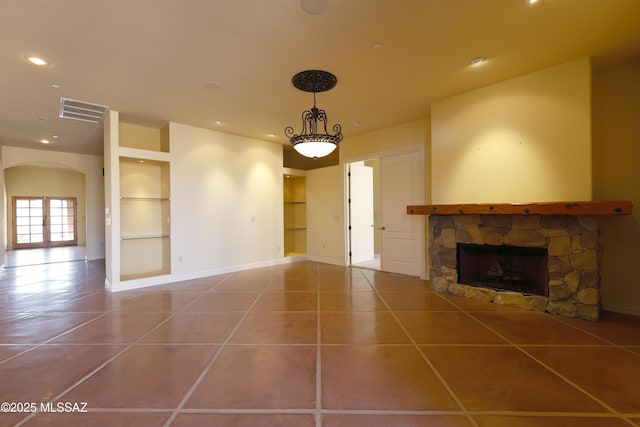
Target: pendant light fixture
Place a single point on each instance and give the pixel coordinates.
(311, 142)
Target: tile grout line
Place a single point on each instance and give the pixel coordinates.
(613, 411)
(609, 342)
(532, 357)
(318, 409)
(519, 347)
(560, 319)
(561, 414)
(318, 413)
(425, 358)
(46, 342)
(95, 370)
(109, 360)
(176, 411)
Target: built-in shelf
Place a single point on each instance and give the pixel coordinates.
(137, 203)
(295, 215)
(145, 204)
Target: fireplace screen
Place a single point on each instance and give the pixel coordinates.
(504, 267)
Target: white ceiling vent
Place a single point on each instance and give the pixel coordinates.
(80, 110)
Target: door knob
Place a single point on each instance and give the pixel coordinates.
(382, 228)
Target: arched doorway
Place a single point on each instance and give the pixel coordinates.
(45, 215)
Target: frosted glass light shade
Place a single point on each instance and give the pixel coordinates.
(315, 149)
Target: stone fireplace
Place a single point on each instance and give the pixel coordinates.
(565, 253)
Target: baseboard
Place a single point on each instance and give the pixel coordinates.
(129, 285)
(325, 260)
(619, 307)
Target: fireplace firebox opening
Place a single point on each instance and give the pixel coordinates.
(512, 268)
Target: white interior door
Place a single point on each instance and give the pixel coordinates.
(361, 212)
(402, 184)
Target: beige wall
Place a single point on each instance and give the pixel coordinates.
(527, 139)
(92, 169)
(144, 137)
(388, 139)
(554, 135)
(616, 175)
(40, 181)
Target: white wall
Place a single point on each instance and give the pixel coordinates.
(325, 215)
(527, 139)
(226, 201)
(90, 166)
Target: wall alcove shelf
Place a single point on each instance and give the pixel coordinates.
(138, 204)
(615, 207)
(295, 215)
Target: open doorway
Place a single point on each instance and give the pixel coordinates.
(46, 215)
(381, 235)
(364, 213)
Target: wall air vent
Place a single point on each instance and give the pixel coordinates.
(80, 110)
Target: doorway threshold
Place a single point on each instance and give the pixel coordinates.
(373, 264)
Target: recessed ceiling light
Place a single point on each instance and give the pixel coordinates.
(45, 141)
(477, 61)
(55, 85)
(531, 1)
(55, 136)
(377, 45)
(272, 135)
(37, 61)
(218, 122)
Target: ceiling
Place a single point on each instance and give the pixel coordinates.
(199, 62)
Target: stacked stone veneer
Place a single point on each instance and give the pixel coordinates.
(573, 258)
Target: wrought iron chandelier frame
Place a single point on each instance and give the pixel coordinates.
(314, 81)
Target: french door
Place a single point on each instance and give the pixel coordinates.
(41, 222)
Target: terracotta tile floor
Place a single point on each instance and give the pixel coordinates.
(303, 344)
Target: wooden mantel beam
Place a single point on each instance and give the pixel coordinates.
(615, 207)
